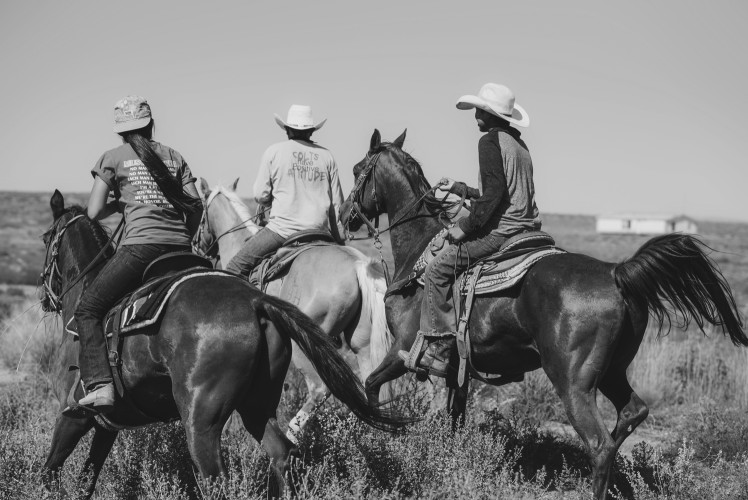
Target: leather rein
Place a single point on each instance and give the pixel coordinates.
(51, 272)
(205, 226)
(356, 198)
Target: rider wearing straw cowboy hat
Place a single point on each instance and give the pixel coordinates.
(505, 206)
(300, 180)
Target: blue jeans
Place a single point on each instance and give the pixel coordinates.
(121, 274)
(437, 310)
(254, 250)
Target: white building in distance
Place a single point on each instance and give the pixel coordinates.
(645, 224)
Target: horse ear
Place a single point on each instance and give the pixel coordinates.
(376, 140)
(204, 189)
(57, 204)
(400, 140)
(233, 186)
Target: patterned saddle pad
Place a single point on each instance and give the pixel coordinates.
(498, 271)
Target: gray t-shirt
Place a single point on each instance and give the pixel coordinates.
(149, 217)
(300, 180)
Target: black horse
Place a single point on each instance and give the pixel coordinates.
(580, 319)
(220, 346)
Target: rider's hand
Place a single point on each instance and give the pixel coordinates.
(445, 184)
(455, 234)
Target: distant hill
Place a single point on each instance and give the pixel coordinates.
(25, 216)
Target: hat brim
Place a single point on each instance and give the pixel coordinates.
(131, 125)
(519, 116)
(283, 124)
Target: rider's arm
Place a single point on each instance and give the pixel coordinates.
(188, 185)
(263, 188)
(193, 219)
(336, 193)
(462, 189)
(98, 208)
(493, 181)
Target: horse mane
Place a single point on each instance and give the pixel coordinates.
(100, 233)
(241, 209)
(419, 184)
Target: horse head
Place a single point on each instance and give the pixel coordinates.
(390, 180)
(383, 161)
(224, 213)
(68, 245)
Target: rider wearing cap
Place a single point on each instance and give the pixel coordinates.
(299, 179)
(505, 206)
(154, 189)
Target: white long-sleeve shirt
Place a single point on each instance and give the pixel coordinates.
(300, 180)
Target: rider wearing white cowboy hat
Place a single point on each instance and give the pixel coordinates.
(504, 207)
(299, 178)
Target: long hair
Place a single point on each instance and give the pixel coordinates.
(139, 140)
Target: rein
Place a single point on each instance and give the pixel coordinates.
(52, 270)
(204, 225)
(356, 197)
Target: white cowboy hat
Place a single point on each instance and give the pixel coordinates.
(497, 100)
(299, 118)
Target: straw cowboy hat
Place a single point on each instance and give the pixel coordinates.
(299, 118)
(497, 100)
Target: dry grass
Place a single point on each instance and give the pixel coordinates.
(696, 387)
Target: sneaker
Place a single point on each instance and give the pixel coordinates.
(101, 398)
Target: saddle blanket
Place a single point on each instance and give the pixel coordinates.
(144, 306)
(498, 276)
(497, 272)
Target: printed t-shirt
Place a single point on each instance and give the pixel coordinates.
(300, 180)
(149, 217)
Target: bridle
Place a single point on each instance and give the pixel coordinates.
(52, 278)
(204, 227)
(356, 198)
(357, 193)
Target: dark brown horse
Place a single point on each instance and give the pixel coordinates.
(220, 346)
(580, 319)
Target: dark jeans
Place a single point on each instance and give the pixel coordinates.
(254, 250)
(121, 274)
(437, 310)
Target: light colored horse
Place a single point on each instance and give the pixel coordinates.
(339, 287)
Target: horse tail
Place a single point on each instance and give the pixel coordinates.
(672, 274)
(330, 366)
(373, 287)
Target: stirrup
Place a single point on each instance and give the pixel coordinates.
(415, 354)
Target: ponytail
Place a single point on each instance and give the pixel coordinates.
(167, 183)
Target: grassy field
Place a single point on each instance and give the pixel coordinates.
(516, 444)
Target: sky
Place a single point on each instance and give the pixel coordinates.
(635, 106)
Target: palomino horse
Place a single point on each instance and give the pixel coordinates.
(220, 346)
(580, 319)
(338, 287)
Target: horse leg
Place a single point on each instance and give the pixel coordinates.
(101, 445)
(278, 447)
(631, 409)
(317, 393)
(203, 418)
(66, 435)
(587, 420)
(391, 368)
(457, 403)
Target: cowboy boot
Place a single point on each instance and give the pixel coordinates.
(429, 356)
(436, 357)
(100, 399)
